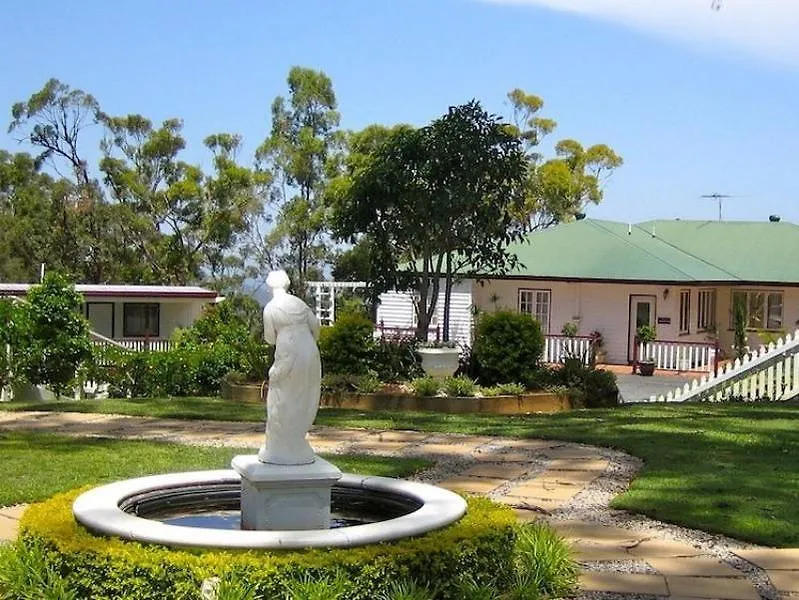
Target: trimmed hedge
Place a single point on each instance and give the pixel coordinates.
(479, 546)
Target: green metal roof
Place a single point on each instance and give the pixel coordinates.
(663, 251)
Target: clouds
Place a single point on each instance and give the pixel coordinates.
(766, 28)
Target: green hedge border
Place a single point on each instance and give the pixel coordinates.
(478, 546)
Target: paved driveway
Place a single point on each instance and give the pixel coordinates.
(634, 388)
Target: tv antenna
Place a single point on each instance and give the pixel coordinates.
(718, 197)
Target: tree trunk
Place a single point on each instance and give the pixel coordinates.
(447, 298)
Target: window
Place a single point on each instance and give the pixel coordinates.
(685, 311)
(774, 311)
(536, 304)
(706, 310)
(763, 309)
(140, 320)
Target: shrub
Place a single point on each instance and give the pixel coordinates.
(425, 386)
(504, 389)
(337, 383)
(511, 389)
(586, 385)
(407, 589)
(508, 347)
(26, 573)
(228, 328)
(368, 384)
(347, 345)
(543, 561)
(183, 371)
(395, 359)
(55, 335)
(480, 546)
(459, 386)
(543, 378)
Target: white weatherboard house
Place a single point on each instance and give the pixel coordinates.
(133, 315)
(681, 277)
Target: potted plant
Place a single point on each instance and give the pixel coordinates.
(598, 347)
(645, 335)
(439, 359)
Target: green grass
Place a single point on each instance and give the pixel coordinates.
(214, 409)
(37, 465)
(726, 468)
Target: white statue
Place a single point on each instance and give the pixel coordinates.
(294, 378)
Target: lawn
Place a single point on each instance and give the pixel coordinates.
(726, 468)
(38, 465)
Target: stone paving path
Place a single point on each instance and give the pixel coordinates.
(539, 479)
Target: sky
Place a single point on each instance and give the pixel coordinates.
(697, 101)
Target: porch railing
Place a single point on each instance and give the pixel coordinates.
(674, 355)
(559, 347)
(137, 345)
(770, 373)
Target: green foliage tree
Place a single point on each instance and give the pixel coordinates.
(300, 153)
(9, 338)
(436, 202)
(34, 220)
(558, 188)
(55, 334)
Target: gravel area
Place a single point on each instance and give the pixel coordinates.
(619, 566)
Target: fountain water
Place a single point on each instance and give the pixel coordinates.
(281, 497)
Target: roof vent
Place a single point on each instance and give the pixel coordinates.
(774, 218)
(579, 216)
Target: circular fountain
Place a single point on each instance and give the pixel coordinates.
(201, 509)
(285, 496)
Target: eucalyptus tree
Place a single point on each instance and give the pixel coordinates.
(54, 121)
(184, 224)
(557, 188)
(300, 153)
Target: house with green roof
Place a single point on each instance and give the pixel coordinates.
(681, 277)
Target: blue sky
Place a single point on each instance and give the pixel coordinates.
(696, 101)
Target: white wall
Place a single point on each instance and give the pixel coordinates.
(605, 307)
(174, 312)
(396, 310)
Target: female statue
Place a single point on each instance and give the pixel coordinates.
(294, 378)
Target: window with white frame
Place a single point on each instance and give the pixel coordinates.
(763, 310)
(536, 304)
(685, 311)
(706, 310)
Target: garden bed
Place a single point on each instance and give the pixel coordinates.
(534, 402)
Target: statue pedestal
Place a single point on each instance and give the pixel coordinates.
(286, 497)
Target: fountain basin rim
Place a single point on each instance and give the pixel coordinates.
(99, 511)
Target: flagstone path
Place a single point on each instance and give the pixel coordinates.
(566, 484)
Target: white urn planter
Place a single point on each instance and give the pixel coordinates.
(440, 362)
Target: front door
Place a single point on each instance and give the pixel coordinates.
(642, 312)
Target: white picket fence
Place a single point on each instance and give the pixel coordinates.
(679, 356)
(771, 373)
(558, 347)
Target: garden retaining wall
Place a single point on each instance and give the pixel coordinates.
(537, 402)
